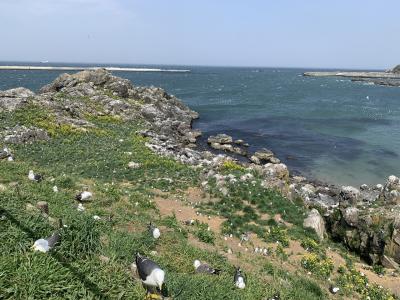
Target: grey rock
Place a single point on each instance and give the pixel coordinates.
(12, 99)
(264, 154)
(23, 135)
(315, 221)
(239, 142)
(220, 139)
(349, 194)
(351, 216)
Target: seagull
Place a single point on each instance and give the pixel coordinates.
(204, 268)
(275, 297)
(154, 231)
(83, 196)
(189, 222)
(10, 158)
(5, 153)
(55, 189)
(45, 245)
(333, 289)
(34, 177)
(239, 279)
(150, 273)
(245, 237)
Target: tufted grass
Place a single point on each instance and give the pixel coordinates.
(75, 268)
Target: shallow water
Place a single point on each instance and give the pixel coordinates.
(330, 129)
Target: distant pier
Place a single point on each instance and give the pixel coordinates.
(51, 68)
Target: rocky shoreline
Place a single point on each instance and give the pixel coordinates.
(389, 78)
(365, 219)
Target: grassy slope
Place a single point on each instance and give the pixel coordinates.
(98, 159)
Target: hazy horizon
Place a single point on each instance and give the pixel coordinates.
(182, 65)
(338, 35)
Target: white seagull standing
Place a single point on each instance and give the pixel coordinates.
(154, 231)
(150, 273)
(239, 279)
(34, 177)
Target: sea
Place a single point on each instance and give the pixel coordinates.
(327, 129)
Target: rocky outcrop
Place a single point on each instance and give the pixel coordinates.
(71, 97)
(225, 143)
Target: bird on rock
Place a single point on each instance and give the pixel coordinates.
(83, 196)
(154, 231)
(151, 275)
(34, 177)
(239, 279)
(204, 268)
(45, 245)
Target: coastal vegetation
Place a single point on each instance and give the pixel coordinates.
(107, 145)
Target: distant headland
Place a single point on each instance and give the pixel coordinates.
(390, 77)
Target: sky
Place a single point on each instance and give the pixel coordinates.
(362, 34)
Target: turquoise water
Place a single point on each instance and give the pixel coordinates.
(329, 129)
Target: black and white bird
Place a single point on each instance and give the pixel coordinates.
(189, 222)
(151, 274)
(45, 245)
(5, 153)
(34, 177)
(333, 289)
(154, 231)
(204, 268)
(83, 196)
(275, 297)
(239, 279)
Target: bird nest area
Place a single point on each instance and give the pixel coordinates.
(98, 243)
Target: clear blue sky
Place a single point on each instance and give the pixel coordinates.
(296, 33)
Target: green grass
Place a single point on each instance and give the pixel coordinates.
(98, 160)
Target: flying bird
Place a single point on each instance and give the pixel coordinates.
(154, 231)
(45, 245)
(238, 279)
(204, 268)
(83, 196)
(151, 274)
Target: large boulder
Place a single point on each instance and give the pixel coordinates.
(315, 221)
(351, 216)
